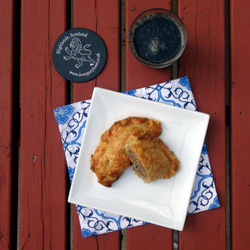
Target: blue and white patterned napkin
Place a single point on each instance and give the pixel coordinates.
(71, 121)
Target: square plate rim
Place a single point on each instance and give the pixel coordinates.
(95, 92)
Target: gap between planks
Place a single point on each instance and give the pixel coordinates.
(227, 108)
(123, 86)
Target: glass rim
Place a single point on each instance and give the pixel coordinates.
(182, 29)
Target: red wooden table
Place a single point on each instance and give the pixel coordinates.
(34, 183)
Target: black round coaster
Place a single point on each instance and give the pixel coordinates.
(79, 55)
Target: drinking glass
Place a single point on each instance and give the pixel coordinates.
(157, 38)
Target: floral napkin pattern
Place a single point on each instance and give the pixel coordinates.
(71, 120)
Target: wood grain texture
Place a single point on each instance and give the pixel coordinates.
(149, 237)
(9, 125)
(102, 17)
(240, 117)
(138, 76)
(203, 61)
(43, 173)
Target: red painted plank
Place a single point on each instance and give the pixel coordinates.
(204, 63)
(149, 237)
(240, 117)
(102, 17)
(9, 126)
(137, 76)
(43, 174)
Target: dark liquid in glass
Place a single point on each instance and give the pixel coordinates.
(157, 38)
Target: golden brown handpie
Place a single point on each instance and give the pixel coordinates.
(110, 159)
(151, 158)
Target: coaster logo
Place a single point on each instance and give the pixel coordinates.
(79, 53)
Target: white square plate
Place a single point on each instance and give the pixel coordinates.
(163, 202)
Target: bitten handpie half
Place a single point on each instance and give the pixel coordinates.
(151, 158)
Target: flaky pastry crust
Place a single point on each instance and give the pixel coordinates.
(110, 159)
